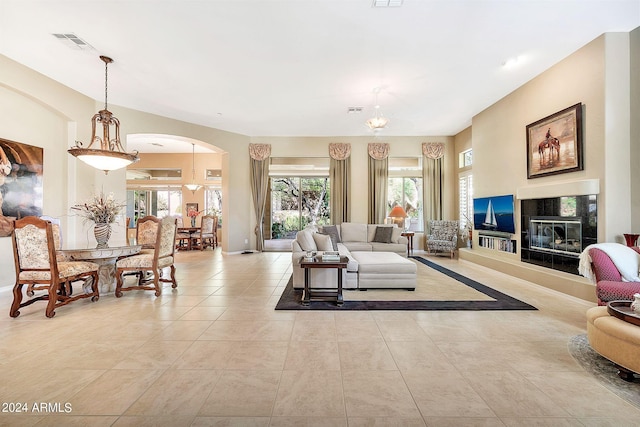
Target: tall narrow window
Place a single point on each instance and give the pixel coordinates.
(405, 189)
(465, 192)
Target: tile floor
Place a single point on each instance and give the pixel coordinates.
(215, 353)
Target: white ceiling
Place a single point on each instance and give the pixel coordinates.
(293, 67)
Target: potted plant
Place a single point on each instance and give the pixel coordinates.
(102, 211)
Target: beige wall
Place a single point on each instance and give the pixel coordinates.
(598, 76)
(634, 158)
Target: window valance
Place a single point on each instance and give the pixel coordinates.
(433, 150)
(339, 151)
(378, 150)
(259, 151)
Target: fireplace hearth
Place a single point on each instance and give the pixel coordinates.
(554, 231)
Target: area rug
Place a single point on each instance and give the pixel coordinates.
(603, 369)
(490, 298)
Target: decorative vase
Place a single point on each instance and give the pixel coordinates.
(631, 239)
(635, 305)
(193, 221)
(102, 232)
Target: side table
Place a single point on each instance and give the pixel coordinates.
(409, 235)
(309, 293)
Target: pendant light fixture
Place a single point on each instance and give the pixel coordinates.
(193, 186)
(378, 121)
(111, 155)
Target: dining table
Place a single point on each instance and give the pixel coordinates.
(190, 231)
(106, 258)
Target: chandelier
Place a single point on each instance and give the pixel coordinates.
(378, 121)
(111, 155)
(193, 186)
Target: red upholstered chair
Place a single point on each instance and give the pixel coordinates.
(609, 284)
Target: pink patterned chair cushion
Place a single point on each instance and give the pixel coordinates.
(614, 291)
(609, 286)
(603, 267)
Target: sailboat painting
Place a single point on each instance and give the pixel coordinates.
(494, 214)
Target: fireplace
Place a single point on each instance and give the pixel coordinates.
(554, 231)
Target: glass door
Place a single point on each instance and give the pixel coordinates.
(296, 202)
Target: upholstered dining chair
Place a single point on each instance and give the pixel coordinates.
(147, 232)
(37, 267)
(206, 236)
(182, 238)
(154, 262)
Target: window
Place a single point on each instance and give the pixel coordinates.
(213, 202)
(298, 195)
(142, 202)
(404, 188)
(466, 158)
(465, 192)
(296, 202)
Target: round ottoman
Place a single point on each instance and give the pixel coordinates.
(615, 339)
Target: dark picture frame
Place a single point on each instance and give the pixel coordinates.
(21, 183)
(193, 206)
(554, 143)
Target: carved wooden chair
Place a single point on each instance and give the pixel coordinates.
(154, 262)
(206, 237)
(38, 268)
(182, 238)
(147, 232)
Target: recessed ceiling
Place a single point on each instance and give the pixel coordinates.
(295, 67)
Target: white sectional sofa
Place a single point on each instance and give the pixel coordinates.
(377, 258)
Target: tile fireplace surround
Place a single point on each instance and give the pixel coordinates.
(554, 232)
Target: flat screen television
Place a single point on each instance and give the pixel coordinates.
(494, 214)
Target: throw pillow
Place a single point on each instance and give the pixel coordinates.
(396, 234)
(383, 234)
(306, 241)
(323, 242)
(332, 231)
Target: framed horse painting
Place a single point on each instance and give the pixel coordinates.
(554, 144)
(21, 183)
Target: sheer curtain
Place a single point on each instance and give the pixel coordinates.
(340, 178)
(378, 174)
(432, 181)
(259, 176)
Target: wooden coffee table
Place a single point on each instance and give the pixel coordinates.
(622, 310)
(332, 294)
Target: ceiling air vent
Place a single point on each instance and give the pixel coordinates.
(387, 3)
(354, 110)
(73, 41)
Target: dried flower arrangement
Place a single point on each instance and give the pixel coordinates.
(100, 209)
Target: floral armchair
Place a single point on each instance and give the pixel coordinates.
(442, 237)
(46, 277)
(155, 261)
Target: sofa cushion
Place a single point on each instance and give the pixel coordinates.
(332, 231)
(323, 242)
(353, 232)
(396, 234)
(358, 246)
(398, 248)
(371, 230)
(383, 235)
(306, 241)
